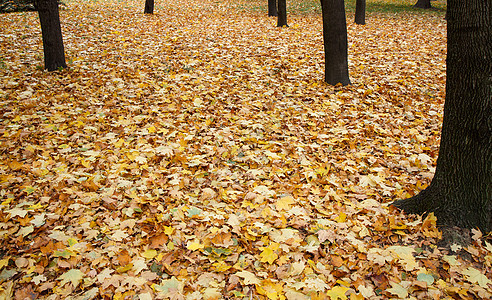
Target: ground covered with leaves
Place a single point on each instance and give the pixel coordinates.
(197, 154)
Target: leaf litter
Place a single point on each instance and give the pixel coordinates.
(197, 154)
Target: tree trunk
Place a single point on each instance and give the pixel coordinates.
(360, 12)
(272, 8)
(49, 18)
(149, 7)
(460, 193)
(423, 4)
(282, 13)
(335, 42)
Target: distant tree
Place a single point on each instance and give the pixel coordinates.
(335, 42)
(149, 7)
(49, 18)
(423, 4)
(282, 13)
(360, 12)
(460, 193)
(272, 8)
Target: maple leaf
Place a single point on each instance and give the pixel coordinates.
(284, 203)
(194, 246)
(211, 293)
(269, 255)
(398, 290)
(139, 265)
(270, 289)
(149, 254)
(475, 276)
(168, 286)
(17, 211)
(337, 292)
(105, 274)
(249, 278)
(73, 275)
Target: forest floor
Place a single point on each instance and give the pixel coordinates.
(197, 154)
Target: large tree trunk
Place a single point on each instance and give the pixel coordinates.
(360, 12)
(423, 4)
(460, 193)
(272, 8)
(335, 42)
(282, 13)
(54, 53)
(149, 7)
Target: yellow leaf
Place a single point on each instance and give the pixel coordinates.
(337, 292)
(341, 217)
(268, 256)
(151, 129)
(124, 269)
(194, 246)
(249, 278)
(398, 290)
(211, 294)
(475, 276)
(73, 275)
(149, 254)
(4, 262)
(221, 266)
(284, 203)
(119, 143)
(270, 289)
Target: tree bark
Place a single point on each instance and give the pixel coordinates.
(360, 12)
(335, 42)
(149, 7)
(282, 13)
(460, 193)
(272, 8)
(423, 4)
(49, 18)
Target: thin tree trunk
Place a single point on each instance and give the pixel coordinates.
(360, 12)
(423, 4)
(460, 193)
(149, 7)
(335, 42)
(272, 8)
(49, 18)
(282, 13)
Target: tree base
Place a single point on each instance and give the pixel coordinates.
(452, 208)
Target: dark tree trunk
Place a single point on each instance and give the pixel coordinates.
(54, 53)
(335, 42)
(360, 12)
(460, 193)
(272, 8)
(282, 13)
(423, 4)
(149, 7)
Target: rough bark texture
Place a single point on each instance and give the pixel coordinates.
(423, 4)
(282, 13)
(360, 12)
(149, 7)
(460, 193)
(272, 8)
(335, 42)
(54, 53)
